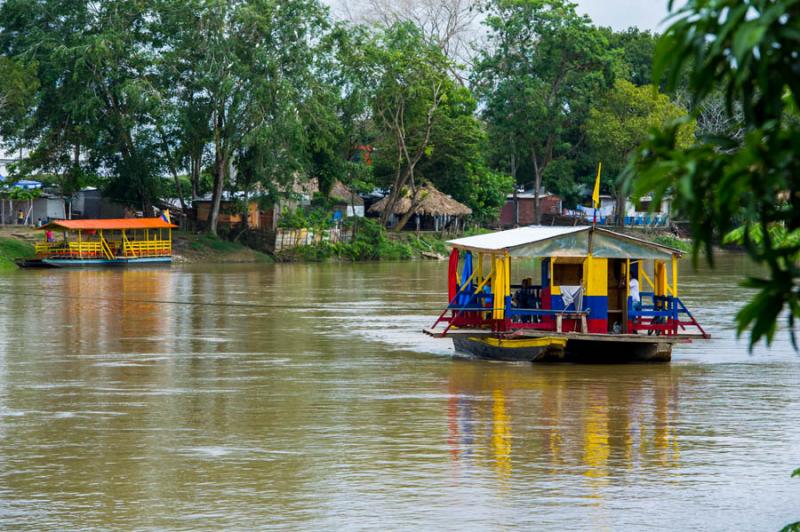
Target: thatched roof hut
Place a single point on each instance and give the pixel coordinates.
(430, 202)
(340, 191)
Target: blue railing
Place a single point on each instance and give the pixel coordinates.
(663, 314)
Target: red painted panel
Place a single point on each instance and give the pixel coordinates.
(598, 326)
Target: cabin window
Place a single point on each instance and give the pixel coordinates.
(567, 274)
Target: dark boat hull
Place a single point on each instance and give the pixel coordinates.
(564, 349)
(516, 350)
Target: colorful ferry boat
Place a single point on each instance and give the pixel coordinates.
(105, 242)
(583, 307)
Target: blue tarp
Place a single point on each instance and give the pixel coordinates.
(466, 273)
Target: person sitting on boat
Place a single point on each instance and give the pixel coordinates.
(525, 298)
(49, 236)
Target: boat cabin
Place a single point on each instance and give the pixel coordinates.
(105, 242)
(565, 280)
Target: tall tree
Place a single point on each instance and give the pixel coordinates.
(621, 121)
(54, 121)
(542, 69)
(411, 83)
(255, 67)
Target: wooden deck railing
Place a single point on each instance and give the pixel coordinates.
(112, 249)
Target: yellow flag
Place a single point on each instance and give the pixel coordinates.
(596, 193)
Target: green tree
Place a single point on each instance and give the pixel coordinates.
(543, 67)
(748, 176)
(255, 67)
(52, 118)
(635, 49)
(622, 120)
(411, 83)
(457, 163)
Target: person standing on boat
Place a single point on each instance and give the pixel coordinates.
(636, 299)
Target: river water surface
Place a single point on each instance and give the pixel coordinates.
(305, 396)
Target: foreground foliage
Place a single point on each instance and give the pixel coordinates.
(748, 175)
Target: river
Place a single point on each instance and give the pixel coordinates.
(305, 396)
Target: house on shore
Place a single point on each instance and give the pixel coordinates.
(520, 212)
(640, 216)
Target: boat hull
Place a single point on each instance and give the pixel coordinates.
(512, 350)
(82, 263)
(565, 349)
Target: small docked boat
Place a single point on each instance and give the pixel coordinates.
(104, 242)
(599, 296)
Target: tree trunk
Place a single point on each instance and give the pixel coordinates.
(620, 208)
(515, 214)
(196, 162)
(536, 186)
(216, 195)
(401, 223)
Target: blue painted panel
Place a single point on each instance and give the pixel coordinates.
(597, 304)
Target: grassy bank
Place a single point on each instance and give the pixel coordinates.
(673, 242)
(11, 249)
(372, 242)
(202, 248)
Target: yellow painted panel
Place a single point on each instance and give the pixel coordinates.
(595, 273)
(548, 341)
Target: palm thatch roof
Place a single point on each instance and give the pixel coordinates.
(340, 191)
(429, 200)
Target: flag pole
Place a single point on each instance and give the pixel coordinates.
(596, 193)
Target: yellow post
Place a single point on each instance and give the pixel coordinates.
(508, 276)
(660, 275)
(80, 243)
(627, 280)
(675, 276)
(498, 288)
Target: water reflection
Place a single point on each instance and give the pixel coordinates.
(590, 421)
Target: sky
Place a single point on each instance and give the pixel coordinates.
(619, 14)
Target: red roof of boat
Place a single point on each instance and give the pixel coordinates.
(109, 224)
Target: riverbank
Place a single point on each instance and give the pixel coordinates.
(192, 248)
(371, 243)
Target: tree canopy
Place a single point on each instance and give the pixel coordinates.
(743, 173)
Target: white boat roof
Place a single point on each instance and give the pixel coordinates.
(550, 241)
(504, 240)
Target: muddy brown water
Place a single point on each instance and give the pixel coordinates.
(305, 396)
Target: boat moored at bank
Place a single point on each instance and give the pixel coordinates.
(104, 242)
(599, 296)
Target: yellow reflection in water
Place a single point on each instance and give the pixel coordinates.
(626, 418)
(501, 434)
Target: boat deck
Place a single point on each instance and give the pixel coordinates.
(625, 338)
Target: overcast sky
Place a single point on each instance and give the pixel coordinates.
(619, 14)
